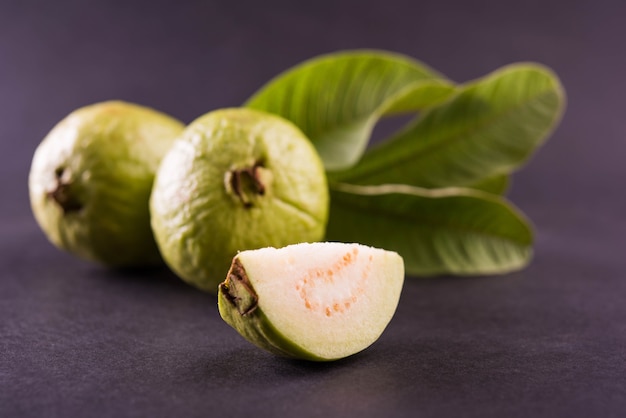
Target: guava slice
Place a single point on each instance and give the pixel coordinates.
(237, 179)
(91, 179)
(316, 301)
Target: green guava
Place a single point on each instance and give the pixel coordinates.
(314, 301)
(236, 179)
(91, 179)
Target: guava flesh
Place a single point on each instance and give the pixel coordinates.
(314, 301)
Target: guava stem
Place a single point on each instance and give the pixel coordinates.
(238, 290)
(62, 193)
(245, 182)
(256, 178)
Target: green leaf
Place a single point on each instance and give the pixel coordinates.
(489, 128)
(496, 185)
(437, 231)
(336, 99)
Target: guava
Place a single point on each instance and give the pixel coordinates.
(236, 179)
(91, 179)
(316, 301)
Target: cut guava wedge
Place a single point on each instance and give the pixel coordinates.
(316, 301)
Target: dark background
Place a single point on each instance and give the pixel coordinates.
(80, 340)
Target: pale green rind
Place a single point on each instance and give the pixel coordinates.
(257, 329)
(199, 226)
(336, 99)
(437, 231)
(489, 128)
(109, 152)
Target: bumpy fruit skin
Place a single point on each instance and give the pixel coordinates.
(91, 179)
(237, 179)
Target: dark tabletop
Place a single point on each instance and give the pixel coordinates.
(77, 339)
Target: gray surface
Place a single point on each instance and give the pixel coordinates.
(80, 340)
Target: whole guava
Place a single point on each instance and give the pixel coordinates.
(236, 179)
(91, 179)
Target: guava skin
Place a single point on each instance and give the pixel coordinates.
(91, 179)
(236, 179)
